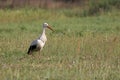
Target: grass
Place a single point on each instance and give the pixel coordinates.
(81, 48)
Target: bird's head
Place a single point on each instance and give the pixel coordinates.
(45, 25)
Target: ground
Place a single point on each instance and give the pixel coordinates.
(81, 48)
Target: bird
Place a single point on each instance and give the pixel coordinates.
(39, 43)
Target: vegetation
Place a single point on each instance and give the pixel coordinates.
(101, 6)
(79, 7)
(81, 48)
(84, 46)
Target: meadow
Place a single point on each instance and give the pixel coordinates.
(80, 48)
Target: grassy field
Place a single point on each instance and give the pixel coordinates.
(81, 48)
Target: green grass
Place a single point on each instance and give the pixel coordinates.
(81, 48)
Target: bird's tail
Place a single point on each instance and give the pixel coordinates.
(29, 51)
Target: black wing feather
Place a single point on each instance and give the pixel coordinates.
(31, 48)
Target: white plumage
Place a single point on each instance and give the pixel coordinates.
(38, 44)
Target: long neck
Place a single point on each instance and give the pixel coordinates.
(43, 33)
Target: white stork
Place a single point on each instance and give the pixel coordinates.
(38, 44)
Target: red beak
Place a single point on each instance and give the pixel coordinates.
(50, 28)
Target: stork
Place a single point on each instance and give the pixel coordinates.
(38, 44)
